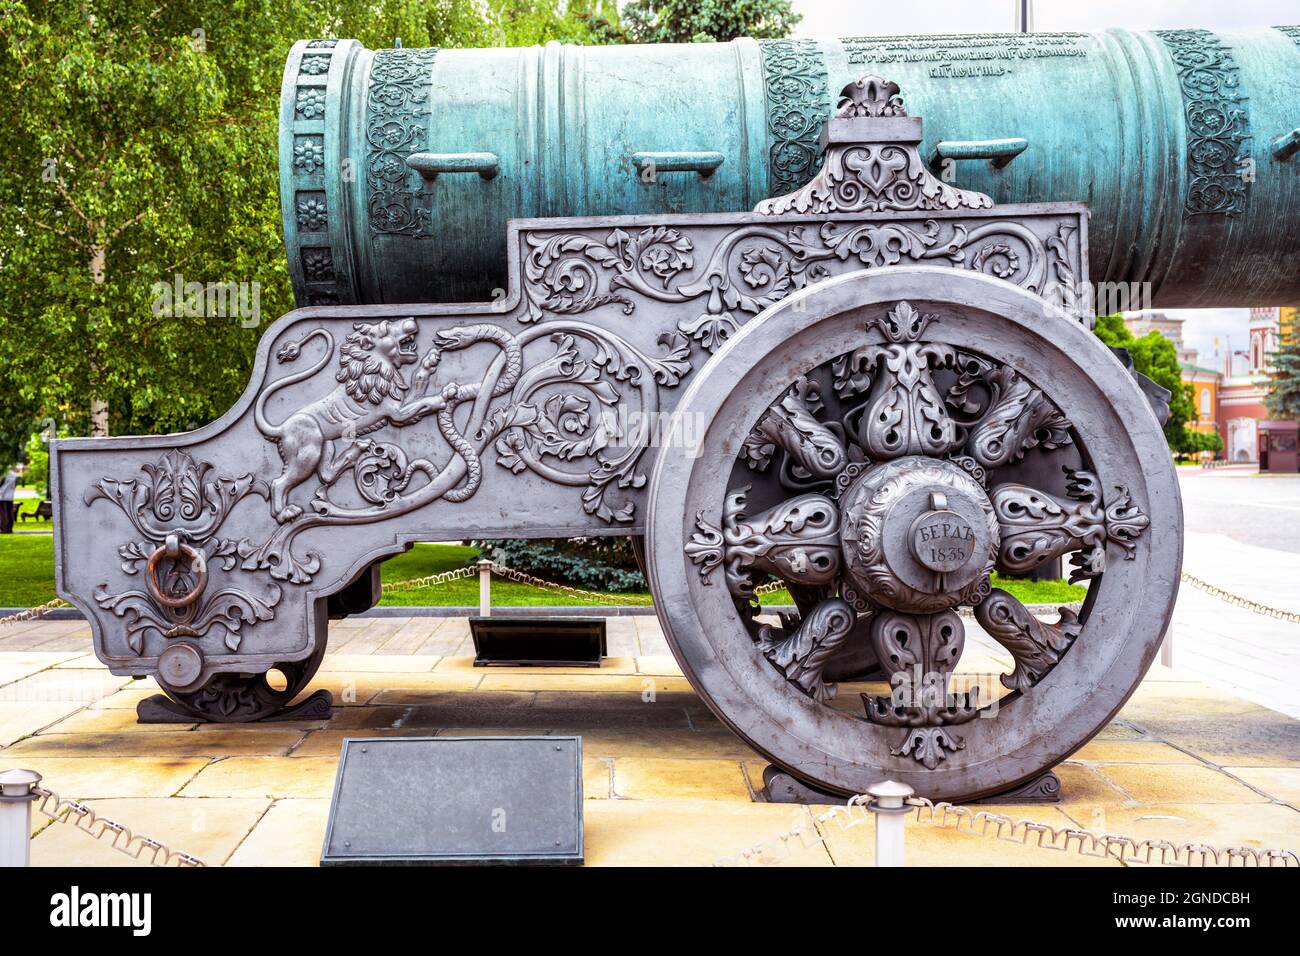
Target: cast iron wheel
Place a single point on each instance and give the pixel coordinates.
(898, 435)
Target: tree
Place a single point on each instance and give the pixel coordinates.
(701, 21)
(1283, 401)
(1155, 357)
(140, 140)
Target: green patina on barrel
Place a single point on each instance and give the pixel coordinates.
(1176, 139)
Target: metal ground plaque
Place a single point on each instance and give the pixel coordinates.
(456, 800)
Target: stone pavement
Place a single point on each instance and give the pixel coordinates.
(665, 782)
(1243, 535)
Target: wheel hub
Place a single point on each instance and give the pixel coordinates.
(918, 534)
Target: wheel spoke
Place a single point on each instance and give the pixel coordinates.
(796, 540)
(1034, 645)
(919, 653)
(1037, 527)
(802, 653)
(1019, 418)
(813, 449)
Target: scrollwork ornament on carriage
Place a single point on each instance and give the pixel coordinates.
(178, 508)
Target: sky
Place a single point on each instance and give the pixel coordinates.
(837, 18)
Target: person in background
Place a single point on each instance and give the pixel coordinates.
(8, 486)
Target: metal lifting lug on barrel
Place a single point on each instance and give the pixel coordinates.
(880, 385)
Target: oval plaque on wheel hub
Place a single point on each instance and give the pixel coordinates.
(918, 534)
(981, 429)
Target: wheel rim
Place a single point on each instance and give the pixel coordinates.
(1128, 606)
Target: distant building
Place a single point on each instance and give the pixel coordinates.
(1206, 383)
(1172, 329)
(1229, 400)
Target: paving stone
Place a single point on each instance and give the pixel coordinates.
(1259, 825)
(82, 662)
(76, 686)
(411, 636)
(1120, 730)
(613, 710)
(1151, 783)
(308, 777)
(207, 829)
(291, 833)
(21, 720)
(352, 690)
(661, 743)
(366, 718)
(687, 832)
(1280, 783)
(126, 698)
(596, 682)
(458, 708)
(15, 665)
(238, 740)
(639, 778)
(329, 743)
(1130, 751)
(451, 638)
(112, 775)
(926, 844)
(382, 663)
(609, 665)
(108, 720)
(661, 664)
(596, 774)
(621, 636)
(1218, 728)
(1081, 784)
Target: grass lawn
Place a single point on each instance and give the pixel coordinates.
(27, 579)
(26, 569)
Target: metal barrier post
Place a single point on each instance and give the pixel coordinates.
(889, 805)
(16, 798)
(1167, 647)
(484, 588)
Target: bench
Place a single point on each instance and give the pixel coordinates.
(44, 512)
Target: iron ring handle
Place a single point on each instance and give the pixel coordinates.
(430, 165)
(651, 163)
(998, 152)
(173, 547)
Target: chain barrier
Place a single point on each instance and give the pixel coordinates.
(32, 613)
(521, 578)
(99, 827)
(1247, 603)
(511, 574)
(429, 580)
(982, 823)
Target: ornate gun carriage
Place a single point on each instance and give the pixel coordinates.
(875, 388)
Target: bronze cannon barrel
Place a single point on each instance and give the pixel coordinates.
(400, 167)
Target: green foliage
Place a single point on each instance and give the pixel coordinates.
(702, 21)
(1155, 357)
(140, 140)
(1198, 441)
(17, 413)
(1283, 401)
(37, 454)
(597, 564)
